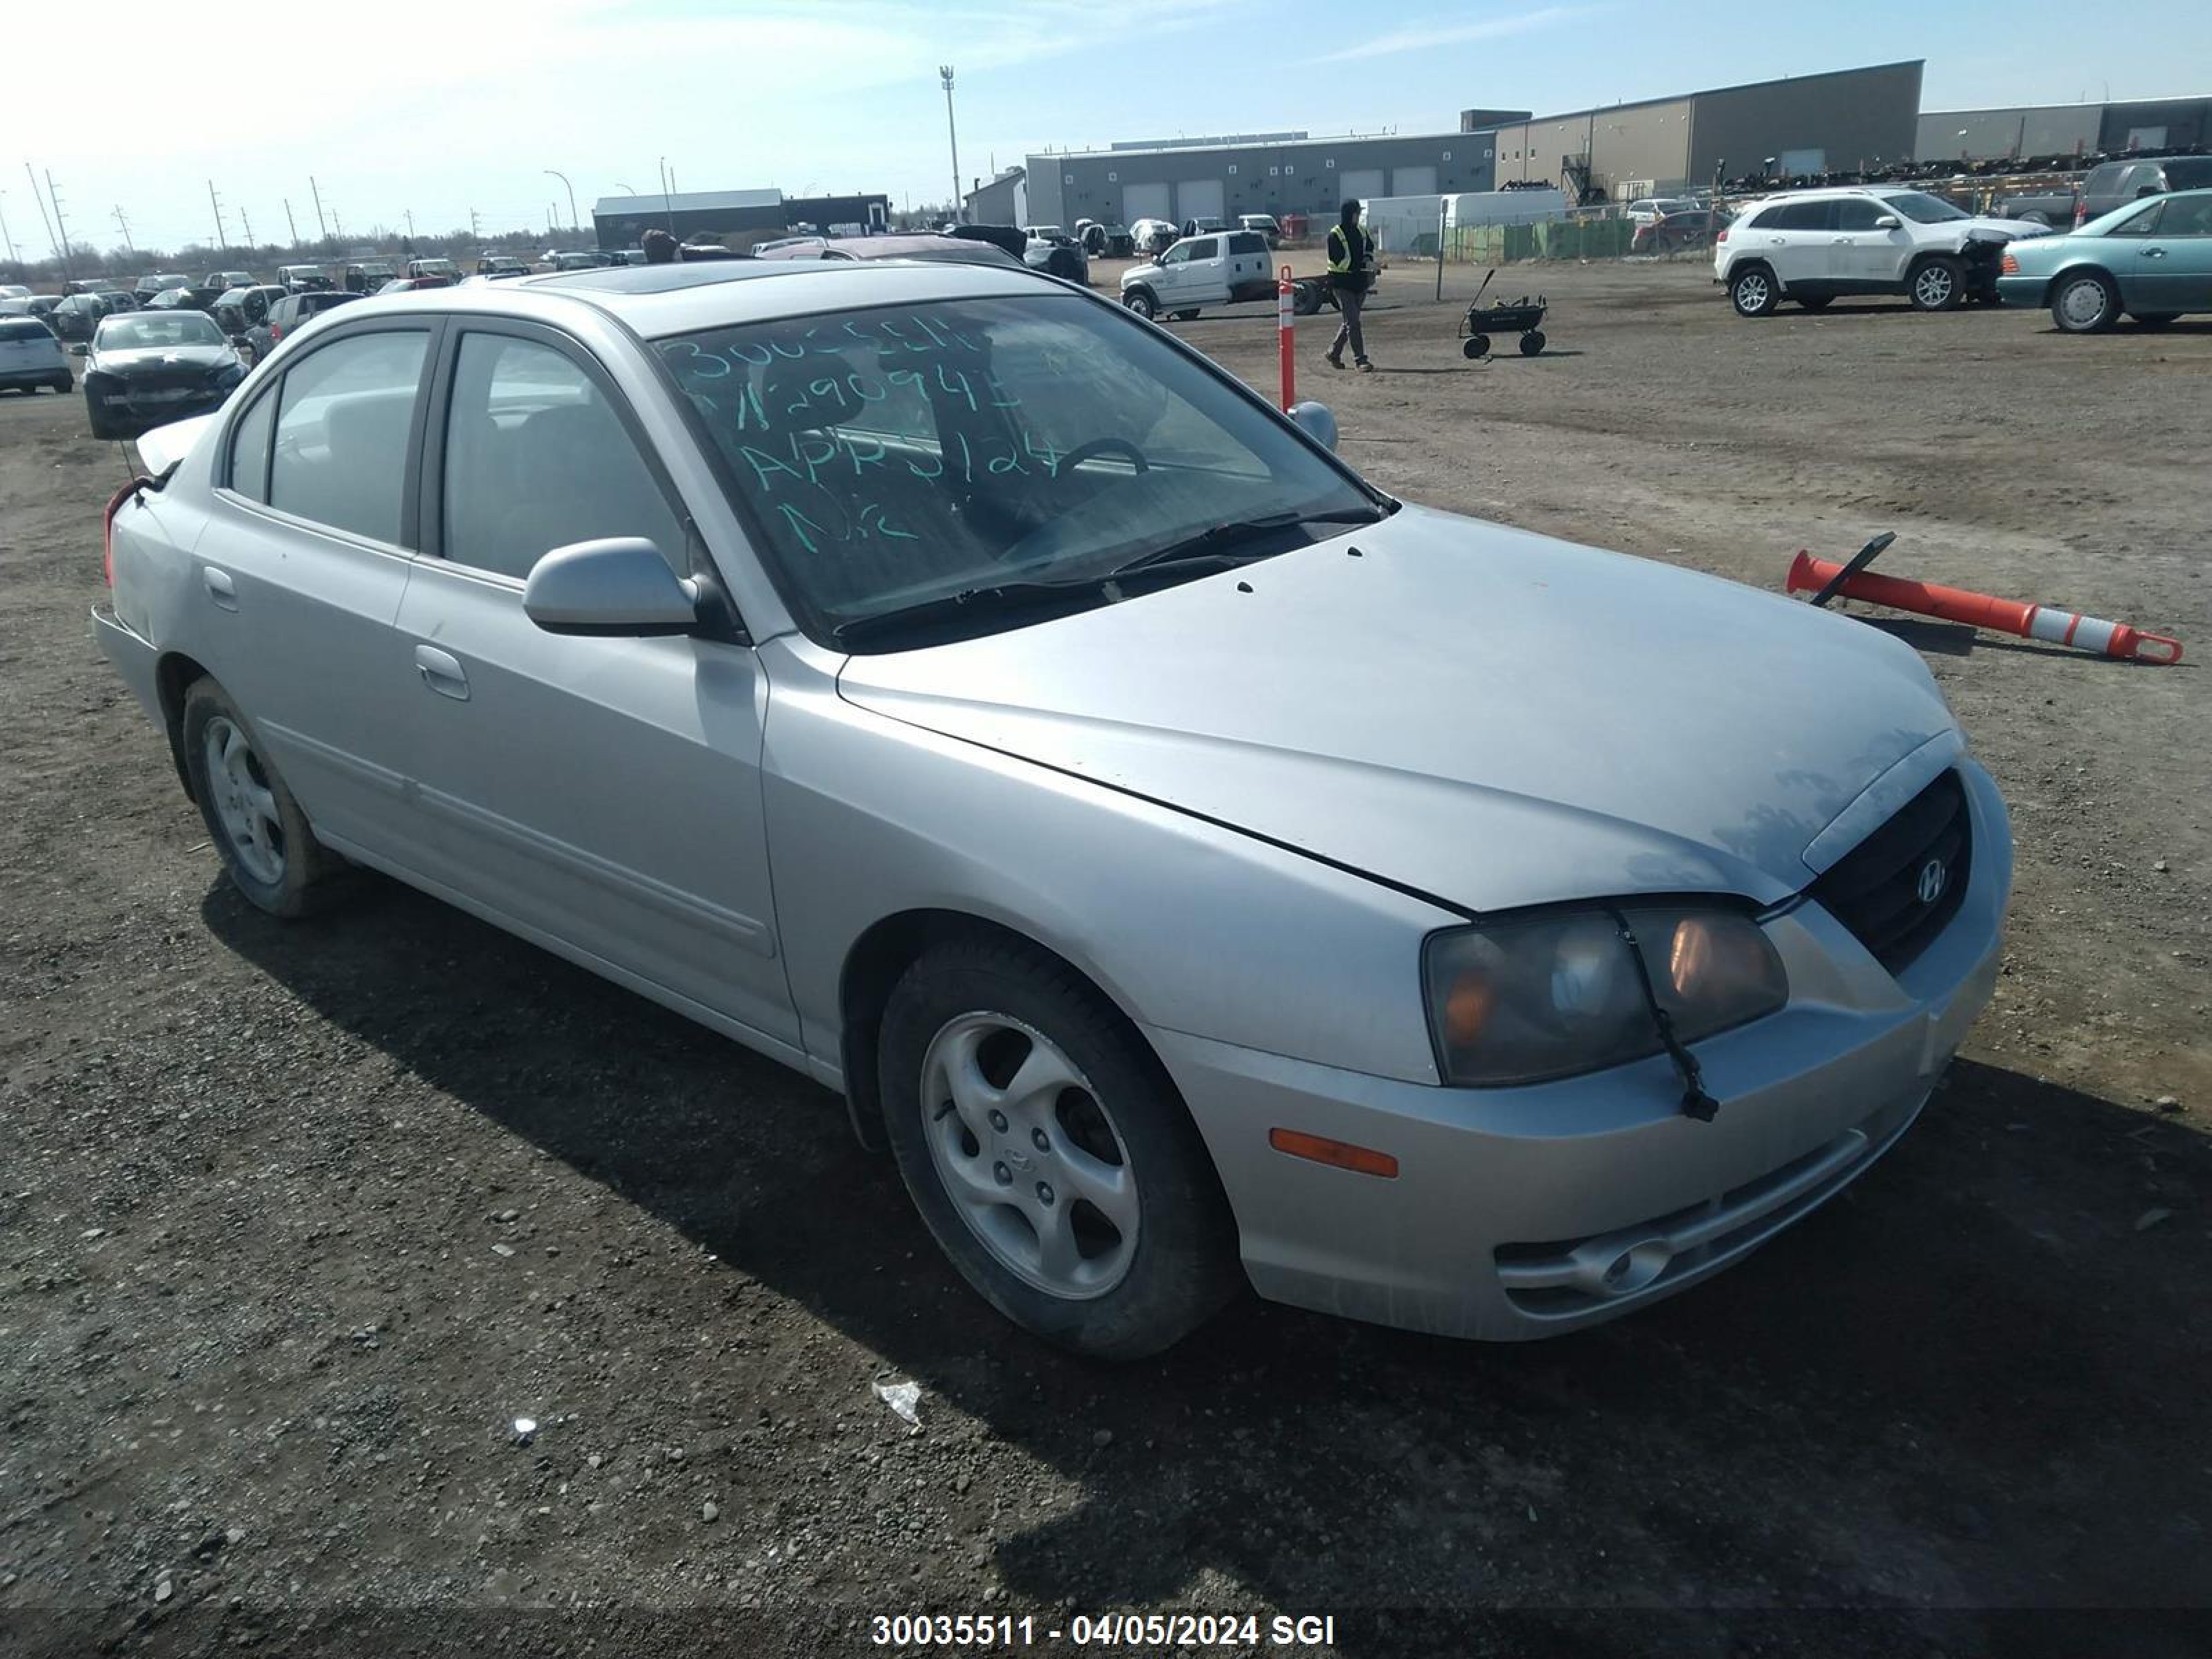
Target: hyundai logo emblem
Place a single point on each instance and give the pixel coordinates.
(1932, 878)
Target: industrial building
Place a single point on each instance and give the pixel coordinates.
(2087, 129)
(1798, 126)
(710, 216)
(1276, 173)
(1003, 201)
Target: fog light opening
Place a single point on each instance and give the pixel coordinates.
(1631, 1269)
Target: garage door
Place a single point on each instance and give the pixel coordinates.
(1145, 202)
(1413, 181)
(1359, 184)
(1200, 198)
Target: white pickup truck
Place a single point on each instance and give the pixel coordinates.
(1216, 269)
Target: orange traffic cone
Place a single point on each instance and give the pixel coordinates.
(2030, 622)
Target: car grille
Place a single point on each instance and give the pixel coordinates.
(1875, 889)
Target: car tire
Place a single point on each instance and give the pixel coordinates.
(1532, 342)
(2084, 302)
(269, 851)
(1753, 292)
(1815, 301)
(101, 431)
(66, 384)
(2153, 319)
(1937, 283)
(1113, 1129)
(1140, 300)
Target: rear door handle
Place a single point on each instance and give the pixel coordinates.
(442, 672)
(219, 586)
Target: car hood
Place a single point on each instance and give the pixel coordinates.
(144, 360)
(1488, 716)
(1984, 229)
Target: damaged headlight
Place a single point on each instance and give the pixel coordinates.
(1531, 998)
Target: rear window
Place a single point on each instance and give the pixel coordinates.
(2193, 172)
(1247, 242)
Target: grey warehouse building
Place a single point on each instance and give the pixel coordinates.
(1807, 123)
(2100, 129)
(1221, 179)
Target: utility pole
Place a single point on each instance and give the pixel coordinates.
(289, 225)
(953, 133)
(56, 232)
(124, 224)
(475, 234)
(222, 239)
(410, 223)
(317, 194)
(667, 196)
(8, 236)
(246, 219)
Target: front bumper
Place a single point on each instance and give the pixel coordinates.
(1524, 1212)
(119, 403)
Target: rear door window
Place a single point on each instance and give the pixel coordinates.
(1801, 215)
(341, 449)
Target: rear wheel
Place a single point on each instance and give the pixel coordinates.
(1753, 292)
(1049, 1153)
(65, 383)
(270, 854)
(1938, 284)
(1532, 342)
(2084, 302)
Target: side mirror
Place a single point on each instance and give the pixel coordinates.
(1884, 221)
(620, 585)
(1313, 418)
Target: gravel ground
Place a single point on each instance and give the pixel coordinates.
(298, 1222)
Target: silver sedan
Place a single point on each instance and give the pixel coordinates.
(1193, 865)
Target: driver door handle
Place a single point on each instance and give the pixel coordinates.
(2154, 253)
(442, 672)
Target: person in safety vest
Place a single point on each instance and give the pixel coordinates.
(1351, 274)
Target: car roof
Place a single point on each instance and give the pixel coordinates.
(659, 300)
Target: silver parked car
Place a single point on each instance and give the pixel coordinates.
(1178, 852)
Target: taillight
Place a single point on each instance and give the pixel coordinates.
(2081, 213)
(2008, 267)
(1721, 237)
(129, 492)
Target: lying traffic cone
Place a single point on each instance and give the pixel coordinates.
(2030, 622)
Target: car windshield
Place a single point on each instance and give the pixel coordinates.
(892, 457)
(1924, 208)
(141, 330)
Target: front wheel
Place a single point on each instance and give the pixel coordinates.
(272, 856)
(2085, 303)
(1939, 284)
(1049, 1153)
(1753, 292)
(1140, 300)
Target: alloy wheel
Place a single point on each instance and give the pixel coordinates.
(244, 806)
(2082, 303)
(1932, 287)
(1029, 1155)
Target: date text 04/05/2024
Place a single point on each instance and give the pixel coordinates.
(1132, 1630)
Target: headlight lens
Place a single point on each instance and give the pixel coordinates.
(1529, 999)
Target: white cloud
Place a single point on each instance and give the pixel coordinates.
(1425, 37)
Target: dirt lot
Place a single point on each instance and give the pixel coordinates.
(295, 1222)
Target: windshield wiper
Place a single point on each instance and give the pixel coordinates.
(976, 603)
(1217, 545)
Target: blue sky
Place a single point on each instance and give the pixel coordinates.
(441, 105)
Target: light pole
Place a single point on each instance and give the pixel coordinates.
(574, 223)
(668, 198)
(952, 134)
(6, 235)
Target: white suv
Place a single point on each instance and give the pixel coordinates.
(1810, 246)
